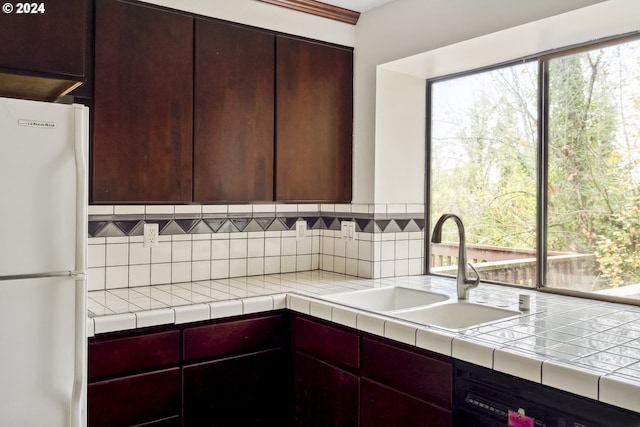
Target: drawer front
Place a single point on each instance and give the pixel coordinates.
(426, 378)
(112, 356)
(382, 406)
(242, 391)
(235, 337)
(135, 399)
(326, 342)
(324, 395)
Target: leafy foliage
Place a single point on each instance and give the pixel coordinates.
(484, 148)
(618, 252)
(483, 162)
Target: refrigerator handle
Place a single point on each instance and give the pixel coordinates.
(80, 149)
(78, 401)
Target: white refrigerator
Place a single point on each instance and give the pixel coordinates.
(43, 241)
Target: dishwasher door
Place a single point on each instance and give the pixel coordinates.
(483, 398)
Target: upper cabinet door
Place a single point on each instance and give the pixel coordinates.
(43, 47)
(143, 104)
(233, 113)
(314, 121)
(48, 37)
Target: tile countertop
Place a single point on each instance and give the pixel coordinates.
(586, 347)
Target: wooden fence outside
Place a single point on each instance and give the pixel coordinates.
(516, 266)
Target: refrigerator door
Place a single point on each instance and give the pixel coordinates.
(37, 332)
(43, 243)
(37, 188)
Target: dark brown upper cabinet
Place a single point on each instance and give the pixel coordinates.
(43, 49)
(191, 109)
(233, 113)
(143, 104)
(314, 121)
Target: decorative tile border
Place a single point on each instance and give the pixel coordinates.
(244, 218)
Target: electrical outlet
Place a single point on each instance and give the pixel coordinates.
(348, 230)
(150, 235)
(301, 229)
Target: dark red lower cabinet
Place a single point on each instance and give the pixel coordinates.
(325, 395)
(381, 406)
(344, 377)
(141, 399)
(278, 369)
(247, 391)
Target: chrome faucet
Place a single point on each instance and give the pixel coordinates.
(464, 283)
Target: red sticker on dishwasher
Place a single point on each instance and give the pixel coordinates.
(518, 419)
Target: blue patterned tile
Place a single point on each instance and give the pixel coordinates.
(264, 222)
(215, 223)
(170, 229)
(187, 224)
(253, 226)
(240, 223)
(228, 227)
(184, 223)
(364, 225)
(200, 228)
(289, 222)
(277, 225)
(320, 225)
(95, 227)
(109, 230)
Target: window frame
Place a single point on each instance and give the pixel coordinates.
(542, 161)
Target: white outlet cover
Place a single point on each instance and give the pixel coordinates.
(150, 235)
(301, 229)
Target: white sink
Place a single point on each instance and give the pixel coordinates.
(457, 315)
(387, 299)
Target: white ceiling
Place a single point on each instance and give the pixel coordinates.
(357, 5)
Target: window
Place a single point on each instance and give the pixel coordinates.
(551, 202)
(483, 168)
(593, 191)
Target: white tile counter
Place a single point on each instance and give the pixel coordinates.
(587, 347)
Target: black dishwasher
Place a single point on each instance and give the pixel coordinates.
(487, 398)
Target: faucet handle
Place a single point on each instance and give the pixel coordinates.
(472, 282)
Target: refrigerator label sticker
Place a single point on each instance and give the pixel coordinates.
(36, 124)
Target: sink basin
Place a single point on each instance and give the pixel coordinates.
(457, 315)
(387, 299)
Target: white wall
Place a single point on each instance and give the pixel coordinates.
(399, 157)
(404, 28)
(271, 17)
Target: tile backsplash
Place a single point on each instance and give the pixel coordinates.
(221, 241)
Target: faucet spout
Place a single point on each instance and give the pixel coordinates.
(464, 283)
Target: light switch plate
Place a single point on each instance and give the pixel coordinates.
(348, 230)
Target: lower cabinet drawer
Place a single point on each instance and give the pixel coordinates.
(135, 400)
(328, 343)
(427, 377)
(227, 338)
(121, 355)
(381, 406)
